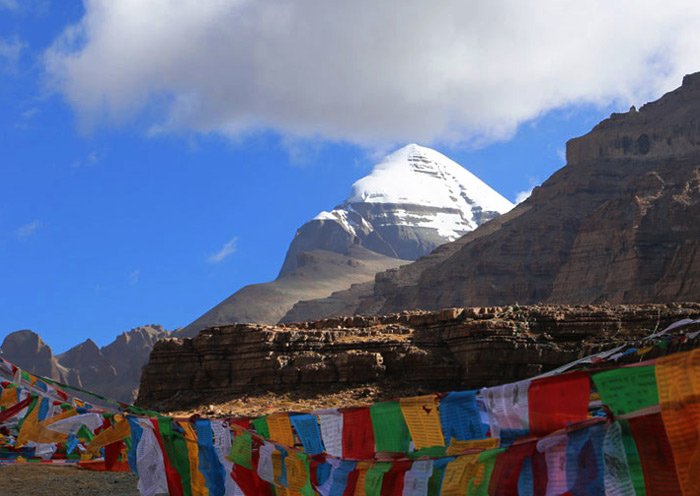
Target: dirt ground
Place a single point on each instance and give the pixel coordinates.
(302, 400)
(45, 480)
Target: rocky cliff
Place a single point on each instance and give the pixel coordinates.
(412, 201)
(410, 351)
(27, 350)
(113, 371)
(617, 224)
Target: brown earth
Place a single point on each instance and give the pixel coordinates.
(43, 480)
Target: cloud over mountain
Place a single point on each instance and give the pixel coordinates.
(364, 71)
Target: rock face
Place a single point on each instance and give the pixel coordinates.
(318, 274)
(113, 371)
(28, 351)
(445, 350)
(617, 224)
(413, 201)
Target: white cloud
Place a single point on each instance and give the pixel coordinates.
(364, 71)
(28, 230)
(228, 249)
(93, 158)
(561, 154)
(10, 53)
(523, 195)
(134, 277)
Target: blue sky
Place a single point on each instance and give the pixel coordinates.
(131, 196)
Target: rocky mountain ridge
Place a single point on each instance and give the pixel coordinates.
(617, 224)
(411, 202)
(113, 371)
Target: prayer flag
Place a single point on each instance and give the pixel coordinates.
(627, 389)
(557, 401)
(460, 418)
(358, 436)
(584, 460)
(507, 406)
(390, 430)
(423, 420)
(331, 431)
(280, 429)
(655, 455)
(679, 393)
(307, 429)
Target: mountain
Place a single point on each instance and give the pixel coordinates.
(113, 370)
(617, 224)
(411, 202)
(28, 351)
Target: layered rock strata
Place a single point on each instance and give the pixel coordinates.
(445, 350)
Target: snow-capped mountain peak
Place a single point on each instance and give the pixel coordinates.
(419, 176)
(411, 202)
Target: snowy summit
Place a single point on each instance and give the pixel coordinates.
(427, 190)
(413, 201)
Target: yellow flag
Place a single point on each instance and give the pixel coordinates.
(196, 477)
(9, 397)
(33, 430)
(71, 412)
(644, 351)
(362, 468)
(30, 427)
(280, 429)
(45, 435)
(423, 420)
(297, 474)
(120, 430)
(458, 474)
(457, 447)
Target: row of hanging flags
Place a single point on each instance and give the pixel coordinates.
(614, 430)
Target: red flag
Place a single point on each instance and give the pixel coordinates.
(358, 435)
(556, 401)
(655, 454)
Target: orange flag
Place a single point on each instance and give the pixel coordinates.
(678, 380)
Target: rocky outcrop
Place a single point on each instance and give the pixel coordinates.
(413, 201)
(113, 371)
(93, 372)
(28, 351)
(617, 224)
(449, 349)
(339, 303)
